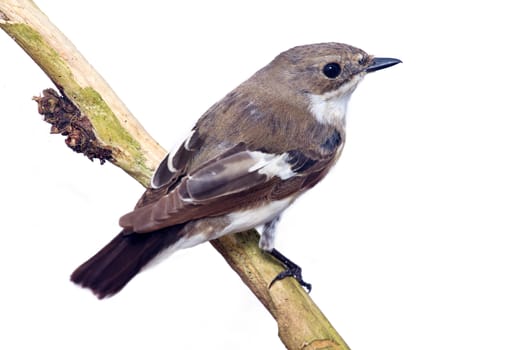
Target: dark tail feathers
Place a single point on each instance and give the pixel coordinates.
(108, 271)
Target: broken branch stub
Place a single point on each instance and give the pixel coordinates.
(66, 119)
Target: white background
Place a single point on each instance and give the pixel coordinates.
(415, 241)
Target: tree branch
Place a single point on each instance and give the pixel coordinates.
(104, 125)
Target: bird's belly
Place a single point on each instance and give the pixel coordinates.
(200, 231)
(243, 220)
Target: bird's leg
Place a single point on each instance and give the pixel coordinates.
(266, 243)
(292, 270)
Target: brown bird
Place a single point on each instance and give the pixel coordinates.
(246, 160)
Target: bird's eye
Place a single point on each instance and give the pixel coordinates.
(332, 70)
(362, 61)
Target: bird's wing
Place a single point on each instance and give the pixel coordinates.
(175, 164)
(232, 181)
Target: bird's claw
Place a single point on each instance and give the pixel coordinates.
(292, 270)
(296, 273)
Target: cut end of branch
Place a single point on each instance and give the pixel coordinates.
(66, 119)
(323, 344)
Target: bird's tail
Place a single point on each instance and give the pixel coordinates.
(108, 271)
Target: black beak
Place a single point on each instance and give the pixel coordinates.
(381, 63)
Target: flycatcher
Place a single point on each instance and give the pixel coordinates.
(246, 160)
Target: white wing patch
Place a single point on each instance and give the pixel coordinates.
(188, 139)
(175, 149)
(272, 165)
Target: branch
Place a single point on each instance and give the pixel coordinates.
(99, 125)
(133, 149)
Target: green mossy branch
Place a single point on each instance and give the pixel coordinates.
(43, 55)
(109, 130)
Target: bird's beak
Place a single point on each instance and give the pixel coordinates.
(381, 63)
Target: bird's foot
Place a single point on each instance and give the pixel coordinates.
(292, 270)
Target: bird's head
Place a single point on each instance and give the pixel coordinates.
(323, 75)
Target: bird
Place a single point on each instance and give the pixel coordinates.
(246, 160)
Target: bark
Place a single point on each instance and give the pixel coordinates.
(99, 125)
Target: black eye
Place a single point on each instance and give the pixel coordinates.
(362, 60)
(332, 70)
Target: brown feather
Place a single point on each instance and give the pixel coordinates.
(108, 271)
